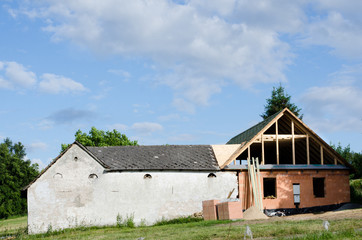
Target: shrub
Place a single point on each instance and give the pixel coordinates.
(356, 190)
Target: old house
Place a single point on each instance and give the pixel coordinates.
(94, 185)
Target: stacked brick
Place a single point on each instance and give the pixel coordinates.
(214, 210)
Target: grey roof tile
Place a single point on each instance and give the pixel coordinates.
(165, 157)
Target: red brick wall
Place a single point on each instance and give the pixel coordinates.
(336, 188)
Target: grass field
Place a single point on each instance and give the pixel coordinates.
(276, 228)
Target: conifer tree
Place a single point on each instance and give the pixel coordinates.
(278, 101)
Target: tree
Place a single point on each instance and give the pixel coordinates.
(100, 138)
(354, 158)
(15, 173)
(278, 101)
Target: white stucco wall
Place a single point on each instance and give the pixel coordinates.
(72, 199)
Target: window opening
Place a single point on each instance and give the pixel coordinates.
(147, 176)
(211, 175)
(58, 175)
(318, 187)
(93, 176)
(270, 188)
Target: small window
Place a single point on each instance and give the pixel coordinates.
(58, 175)
(93, 176)
(147, 176)
(270, 187)
(318, 187)
(211, 175)
(75, 158)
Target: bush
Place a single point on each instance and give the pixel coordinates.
(356, 190)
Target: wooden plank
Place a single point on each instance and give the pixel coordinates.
(259, 185)
(293, 143)
(308, 156)
(277, 141)
(249, 158)
(272, 137)
(322, 162)
(262, 150)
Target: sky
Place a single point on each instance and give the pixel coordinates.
(175, 72)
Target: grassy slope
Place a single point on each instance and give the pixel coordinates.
(307, 229)
(12, 225)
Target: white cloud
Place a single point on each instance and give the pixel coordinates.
(36, 146)
(204, 48)
(337, 106)
(343, 35)
(16, 75)
(55, 84)
(197, 47)
(146, 128)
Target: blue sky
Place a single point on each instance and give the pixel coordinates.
(175, 72)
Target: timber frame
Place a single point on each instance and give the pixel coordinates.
(283, 139)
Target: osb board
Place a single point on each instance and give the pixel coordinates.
(223, 152)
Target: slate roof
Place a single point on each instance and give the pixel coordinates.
(165, 157)
(248, 134)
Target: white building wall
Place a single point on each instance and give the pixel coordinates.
(64, 196)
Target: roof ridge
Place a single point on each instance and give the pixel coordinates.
(246, 135)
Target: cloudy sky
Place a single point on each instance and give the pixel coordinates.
(175, 72)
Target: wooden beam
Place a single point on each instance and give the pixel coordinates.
(335, 161)
(322, 162)
(249, 153)
(277, 140)
(262, 150)
(308, 157)
(293, 143)
(272, 137)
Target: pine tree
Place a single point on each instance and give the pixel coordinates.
(278, 101)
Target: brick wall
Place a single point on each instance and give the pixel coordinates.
(336, 188)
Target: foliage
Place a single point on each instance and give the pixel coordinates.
(127, 222)
(100, 138)
(356, 190)
(180, 220)
(354, 158)
(16, 173)
(278, 101)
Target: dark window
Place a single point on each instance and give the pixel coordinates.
(147, 176)
(318, 187)
(270, 186)
(211, 175)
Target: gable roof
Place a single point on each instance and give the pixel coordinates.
(247, 137)
(165, 157)
(137, 158)
(248, 134)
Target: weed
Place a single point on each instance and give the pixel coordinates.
(180, 220)
(127, 222)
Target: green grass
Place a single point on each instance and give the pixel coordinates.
(307, 229)
(12, 225)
